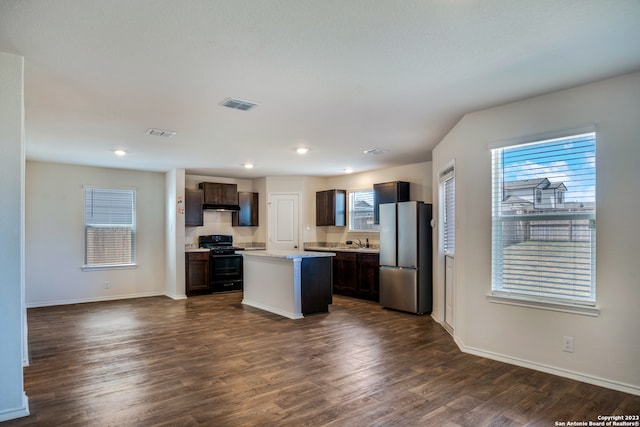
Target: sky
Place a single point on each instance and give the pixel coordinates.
(568, 160)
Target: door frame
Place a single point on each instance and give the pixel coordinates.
(447, 172)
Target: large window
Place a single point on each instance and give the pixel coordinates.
(110, 227)
(361, 211)
(543, 220)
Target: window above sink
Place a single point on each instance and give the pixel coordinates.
(361, 211)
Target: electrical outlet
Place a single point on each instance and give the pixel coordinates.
(106, 284)
(567, 344)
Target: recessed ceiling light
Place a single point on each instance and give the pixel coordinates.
(348, 170)
(248, 165)
(238, 104)
(119, 152)
(302, 150)
(374, 151)
(161, 132)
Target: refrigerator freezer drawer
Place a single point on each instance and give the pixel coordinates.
(399, 288)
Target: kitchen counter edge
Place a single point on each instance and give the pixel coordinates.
(329, 249)
(288, 254)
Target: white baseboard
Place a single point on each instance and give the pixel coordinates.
(93, 299)
(561, 372)
(275, 310)
(176, 297)
(14, 413)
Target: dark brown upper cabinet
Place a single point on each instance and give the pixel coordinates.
(247, 216)
(331, 207)
(388, 192)
(216, 193)
(193, 200)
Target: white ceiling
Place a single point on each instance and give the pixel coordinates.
(338, 76)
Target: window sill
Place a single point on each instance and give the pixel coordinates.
(108, 267)
(544, 305)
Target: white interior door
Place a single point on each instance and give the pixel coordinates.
(449, 289)
(283, 221)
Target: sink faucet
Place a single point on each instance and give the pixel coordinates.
(359, 244)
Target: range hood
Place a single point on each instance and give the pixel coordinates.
(220, 207)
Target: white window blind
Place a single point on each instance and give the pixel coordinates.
(449, 216)
(361, 211)
(110, 227)
(543, 220)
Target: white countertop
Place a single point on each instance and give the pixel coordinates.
(283, 254)
(197, 250)
(339, 249)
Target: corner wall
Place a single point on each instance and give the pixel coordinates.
(13, 400)
(607, 348)
(175, 208)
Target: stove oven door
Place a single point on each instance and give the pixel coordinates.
(225, 273)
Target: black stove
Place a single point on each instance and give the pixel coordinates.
(225, 266)
(219, 244)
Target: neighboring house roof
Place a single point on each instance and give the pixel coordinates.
(362, 204)
(557, 186)
(541, 183)
(526, 183)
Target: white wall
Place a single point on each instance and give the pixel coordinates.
(13, 400)
(607, 348)
(418, 174)
(55, 235)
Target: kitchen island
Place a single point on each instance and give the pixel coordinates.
(288, 283)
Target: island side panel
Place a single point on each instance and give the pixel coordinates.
(269, 285)
(316, 285)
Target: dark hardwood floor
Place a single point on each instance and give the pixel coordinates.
(209, 360)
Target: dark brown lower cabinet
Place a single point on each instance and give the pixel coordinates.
(316, 285)
(357, 275)
(369, 276)
(197, 271)
(345, 273)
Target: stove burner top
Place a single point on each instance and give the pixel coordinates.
(219, 244)
(223, 251)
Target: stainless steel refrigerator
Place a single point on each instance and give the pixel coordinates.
(405, 257)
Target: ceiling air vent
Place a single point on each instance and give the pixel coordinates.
(161, 132)
(238, 104)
